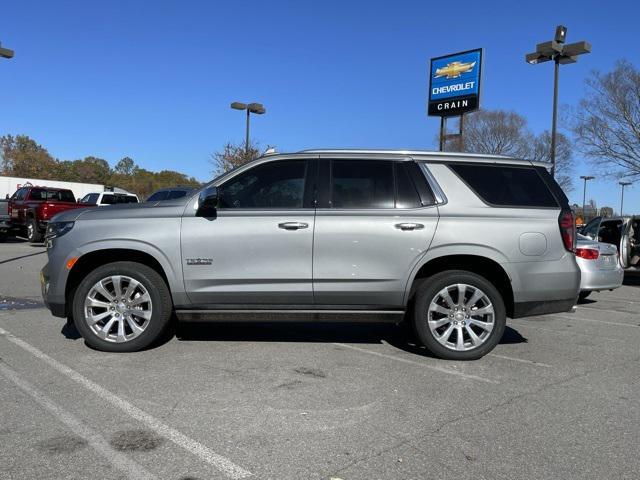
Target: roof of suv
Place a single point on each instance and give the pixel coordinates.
(427, 154)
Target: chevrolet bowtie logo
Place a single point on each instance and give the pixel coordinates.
(454, 69)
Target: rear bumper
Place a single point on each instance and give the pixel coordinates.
(601, 279)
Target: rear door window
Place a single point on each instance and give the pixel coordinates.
(362, 184)
(507, 186)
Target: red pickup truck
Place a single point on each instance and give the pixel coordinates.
(30, 209)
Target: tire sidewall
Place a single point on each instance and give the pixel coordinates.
(33, 237)
(160, 301)
(428, 290)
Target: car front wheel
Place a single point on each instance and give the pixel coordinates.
(122, 307)
(459, 315)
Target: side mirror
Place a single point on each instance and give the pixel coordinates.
(7, 197)
(207, 202)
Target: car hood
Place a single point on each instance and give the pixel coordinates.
(170, 208)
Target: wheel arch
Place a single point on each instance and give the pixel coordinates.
(95, 258)
(481, 265)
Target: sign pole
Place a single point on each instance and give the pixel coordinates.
(442, 127)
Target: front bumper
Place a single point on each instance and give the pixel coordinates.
(53, 302)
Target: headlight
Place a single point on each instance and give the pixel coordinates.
(57, 229)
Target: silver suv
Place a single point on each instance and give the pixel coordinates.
(453, 243)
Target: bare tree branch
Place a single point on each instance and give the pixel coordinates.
(607, 124)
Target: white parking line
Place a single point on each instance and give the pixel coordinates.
(595, 321)
(420, 364)
(221, 463)
(99, 444)
(521, 360)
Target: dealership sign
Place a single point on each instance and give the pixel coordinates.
(454, 83)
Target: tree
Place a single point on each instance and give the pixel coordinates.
(126, 166)
(540, 151)
(500, 132)
(495, 132)
(232, 156)
(92, 170)
(23, 157)
(607, 123)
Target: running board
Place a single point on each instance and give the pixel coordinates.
(289, 315)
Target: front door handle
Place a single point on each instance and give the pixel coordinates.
(409, 226)
(292, 225)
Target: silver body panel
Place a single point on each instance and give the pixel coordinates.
(345, 258)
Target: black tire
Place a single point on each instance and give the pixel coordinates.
(160, 300)
(429, 289)
(33, 234)
(3, 237)
(583, 295)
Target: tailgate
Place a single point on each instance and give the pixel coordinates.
(49, 209)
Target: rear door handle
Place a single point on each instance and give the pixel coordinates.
(293, 225)
(409, 226)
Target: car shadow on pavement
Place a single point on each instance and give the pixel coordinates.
(70, 331)
(399, 336)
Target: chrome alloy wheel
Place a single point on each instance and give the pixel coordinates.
(461, 317)
(117, 308)
(30, 230)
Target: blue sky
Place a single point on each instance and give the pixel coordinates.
(153, 80)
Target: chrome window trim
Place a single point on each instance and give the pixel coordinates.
(438, 194)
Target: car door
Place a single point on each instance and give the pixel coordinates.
(258, 248)
(17, 206)
(376, 218)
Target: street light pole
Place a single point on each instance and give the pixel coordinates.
(622, 184)
(561, 54)
(256, 108)
(554, 121)
(584, 193)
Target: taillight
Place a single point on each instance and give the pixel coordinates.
(44, 210)
(567, 229)
(587, 253)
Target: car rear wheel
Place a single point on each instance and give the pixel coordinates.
(33, 234)
(122, 307)
(459, 315)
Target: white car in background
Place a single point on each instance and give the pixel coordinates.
(103, 199)
(599, 266)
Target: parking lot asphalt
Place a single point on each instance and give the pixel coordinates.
(558, 398)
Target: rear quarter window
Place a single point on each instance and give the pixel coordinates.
(507, 186)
